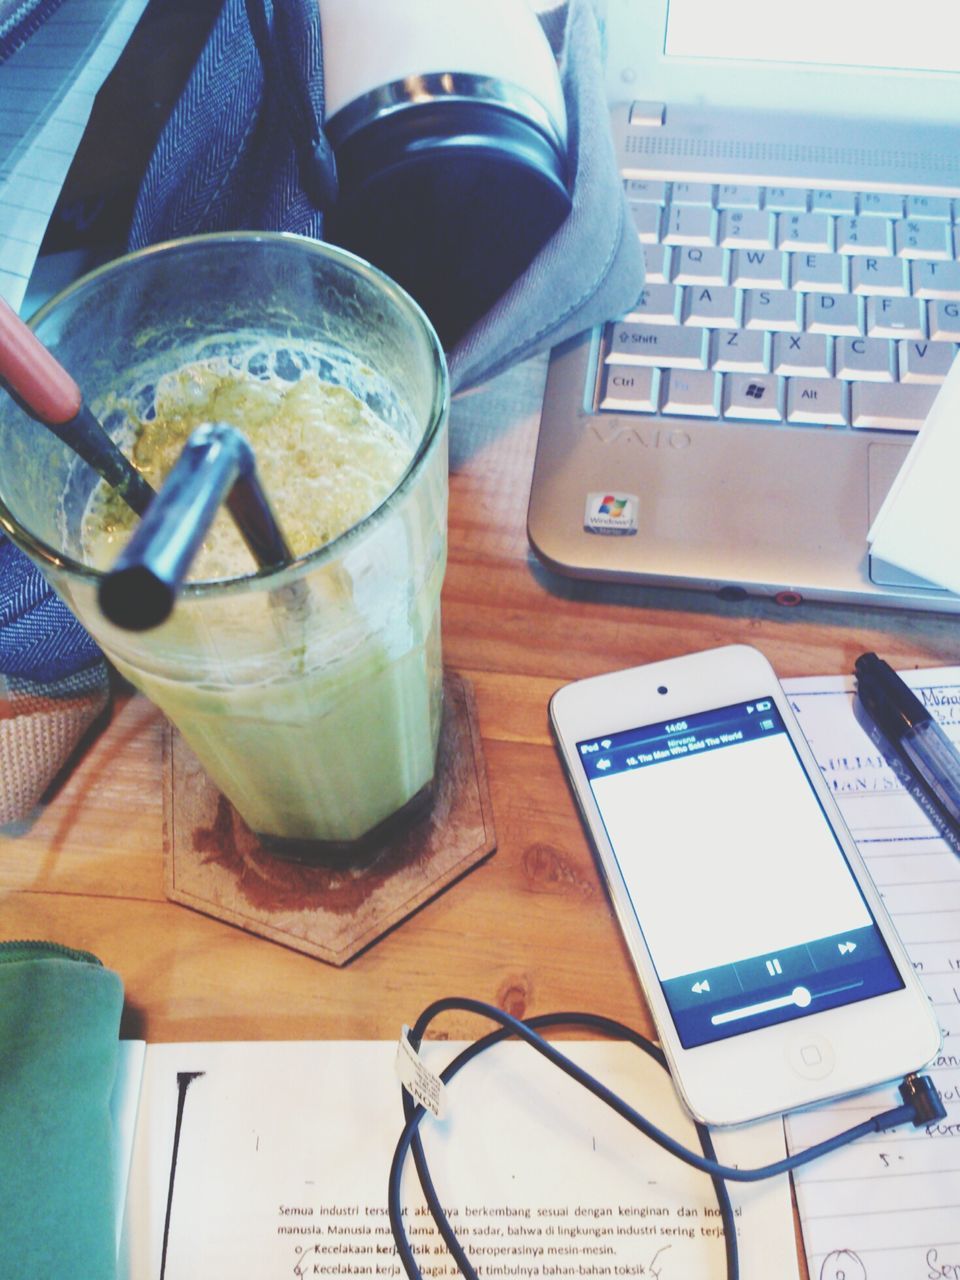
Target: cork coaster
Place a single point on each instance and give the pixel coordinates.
(215, 864)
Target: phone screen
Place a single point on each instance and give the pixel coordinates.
(742, 891)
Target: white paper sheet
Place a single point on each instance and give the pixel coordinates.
(47, 89)
(916, 528)
(124, 1104)
(888, 1207)
(284, 1152)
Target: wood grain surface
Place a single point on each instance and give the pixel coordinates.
(531, 929)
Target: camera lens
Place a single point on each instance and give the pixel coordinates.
(662, 688)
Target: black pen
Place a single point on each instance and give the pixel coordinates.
(911, 730)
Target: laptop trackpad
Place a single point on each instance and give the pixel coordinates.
(885, 462)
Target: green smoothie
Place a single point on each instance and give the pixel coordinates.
(319, 718)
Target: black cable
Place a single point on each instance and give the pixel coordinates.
(920, 1105)
(592, 1021)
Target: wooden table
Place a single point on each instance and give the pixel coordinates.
(531, 929)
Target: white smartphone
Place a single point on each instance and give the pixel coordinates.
(774, 975)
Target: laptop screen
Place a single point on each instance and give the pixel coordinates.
(847, 33)
(879, 60)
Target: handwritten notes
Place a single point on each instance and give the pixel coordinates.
(272, 1159)
(47, 88)
(888, 1207)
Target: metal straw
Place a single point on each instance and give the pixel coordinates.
(216, 463)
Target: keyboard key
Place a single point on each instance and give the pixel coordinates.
(739, 351)
(627, 390)
(785, 199)
(755, 398)
(895, 317)
(929, 207)
(866, 235)
(646, 219)
(752, 268)
(648, 344)
(925, 361)
(897, 407)
(887, 276)
(657, 304)
(715, 307)
(833, 202)
(864, 359)
(657, 259)
(649, 115)
(690, 224)
(825, 272)
(836, 313)
(642, 191)
(773, 310)
(797, 232)
(913, 238)
(935, 279)
(692, 394)
(693, 193)
(693, 265)
(735, 196)
(883, 202)
(802, 355)
(810, 400)
(746, 228)
(944, 320)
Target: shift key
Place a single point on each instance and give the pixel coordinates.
(659, 345)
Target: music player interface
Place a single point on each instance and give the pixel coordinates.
(740, 888)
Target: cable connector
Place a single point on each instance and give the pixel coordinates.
(920, 1093)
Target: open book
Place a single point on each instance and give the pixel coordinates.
(273, 1159)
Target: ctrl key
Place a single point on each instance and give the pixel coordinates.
(629, 389)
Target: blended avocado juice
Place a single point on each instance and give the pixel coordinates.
(316, 711)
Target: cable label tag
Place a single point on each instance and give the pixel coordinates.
(423, 1085)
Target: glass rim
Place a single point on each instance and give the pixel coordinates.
(263, 577)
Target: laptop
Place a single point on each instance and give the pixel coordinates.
(794, 175)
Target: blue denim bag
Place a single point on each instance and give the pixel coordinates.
(40, 639)
(53, 684)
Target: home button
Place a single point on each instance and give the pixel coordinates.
(811, 1056)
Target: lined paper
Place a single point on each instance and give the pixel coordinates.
(47, 89)
(888, 1207)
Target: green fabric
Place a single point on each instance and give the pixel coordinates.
(59, 1034)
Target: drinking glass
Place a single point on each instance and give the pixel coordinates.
(311, 693)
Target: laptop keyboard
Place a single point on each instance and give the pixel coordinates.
(783, 305)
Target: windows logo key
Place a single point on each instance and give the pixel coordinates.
(611, 512)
